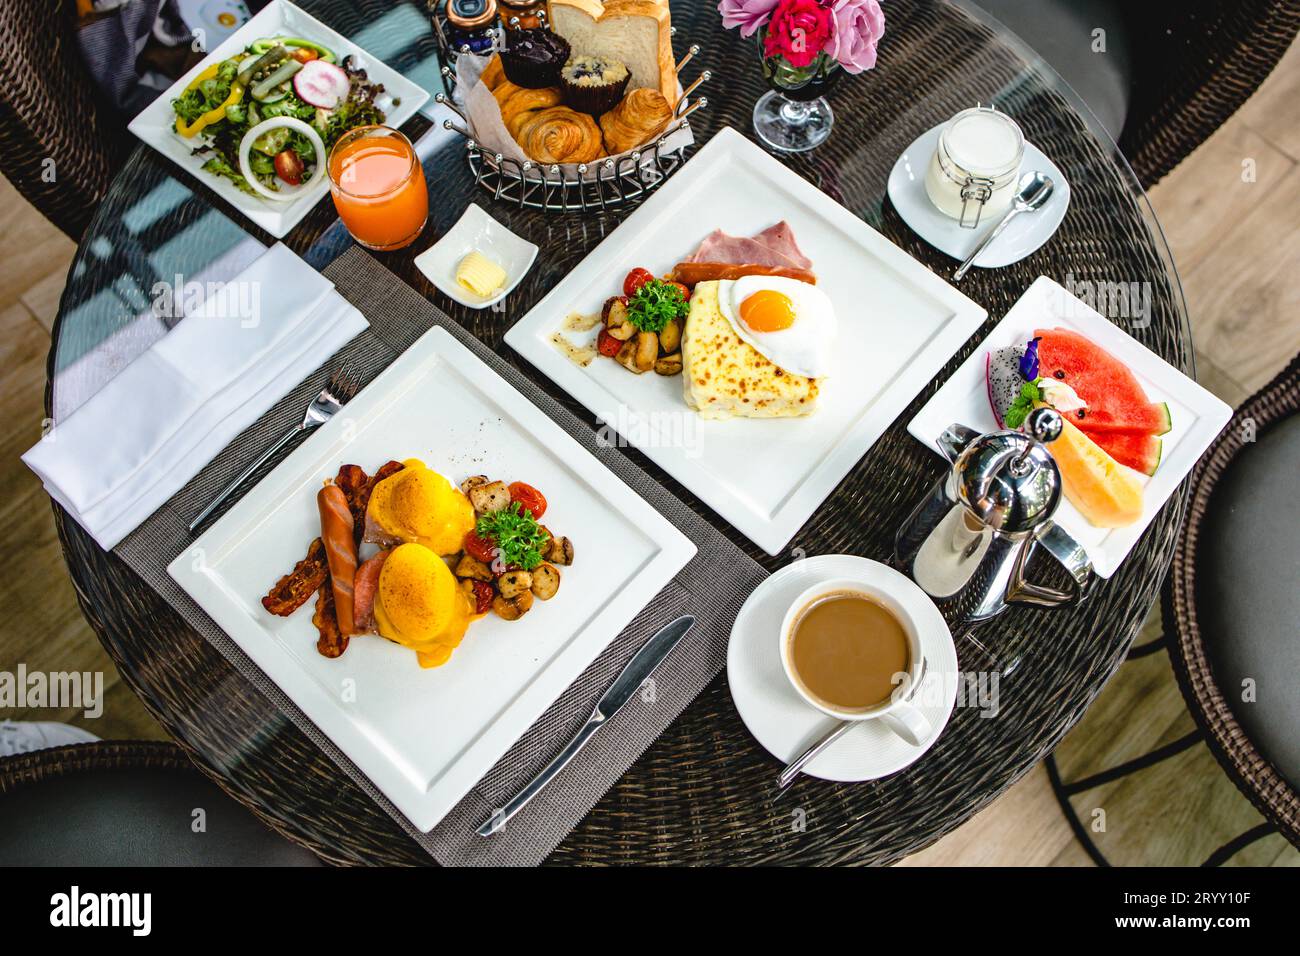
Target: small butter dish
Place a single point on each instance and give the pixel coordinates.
(476, 231)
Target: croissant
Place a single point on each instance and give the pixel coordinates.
(638, 118)
(493, 74)
(519, 106)
(561, 135)
(504, 90)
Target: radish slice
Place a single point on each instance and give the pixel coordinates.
(321, 84)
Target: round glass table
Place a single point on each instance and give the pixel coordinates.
(702, 793)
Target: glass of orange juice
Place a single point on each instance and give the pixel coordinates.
(378, 187)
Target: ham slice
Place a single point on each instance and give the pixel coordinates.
(364, 587)
(780, 238)
(774, 248)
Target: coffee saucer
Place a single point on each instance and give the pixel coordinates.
(1024, 236)
(784, 723)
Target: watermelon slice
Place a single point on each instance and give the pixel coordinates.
(1137, 451)
(1116, 401)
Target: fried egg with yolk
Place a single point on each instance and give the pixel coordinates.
(791, 323)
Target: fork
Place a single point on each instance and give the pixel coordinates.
(336, 393)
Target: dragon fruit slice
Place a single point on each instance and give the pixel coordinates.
(1003, 377)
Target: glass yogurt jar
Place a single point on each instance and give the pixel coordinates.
(975, 166)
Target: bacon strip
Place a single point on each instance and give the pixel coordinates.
(292, 591)
(331, 643)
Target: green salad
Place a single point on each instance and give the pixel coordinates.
(275, 77)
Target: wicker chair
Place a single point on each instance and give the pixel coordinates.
(52, 121)
(1197, 62)
(127, 803)
(1187, 620)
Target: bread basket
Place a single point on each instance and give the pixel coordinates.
(604, 184)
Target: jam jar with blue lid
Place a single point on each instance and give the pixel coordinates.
(472, 25)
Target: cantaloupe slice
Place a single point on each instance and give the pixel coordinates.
(1104, 491)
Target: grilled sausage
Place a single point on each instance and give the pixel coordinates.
(693, 273)
(340, 552)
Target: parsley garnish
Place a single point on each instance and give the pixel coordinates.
(1023, 405)
(517, 535)
(655, 304)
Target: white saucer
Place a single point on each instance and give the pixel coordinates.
(784, 723)
(1025, 235)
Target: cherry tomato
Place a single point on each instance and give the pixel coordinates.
(686, 293)
(529, 498)
(635, 280)
(607, 345)
(303, 55)
(483, 595)
(289, 167)
(480, 549)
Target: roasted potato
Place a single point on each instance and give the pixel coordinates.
(626, 357)
(671, 337)
(647, 350)
(513, 583)
(512, 609)
(669, 364)
(493, 496)
(560, 551)
(616, 320)
(546, 581)
(472, 482)
(470, 567)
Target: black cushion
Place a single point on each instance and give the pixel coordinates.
(1248, 591)
(1061, 32)
(136, 818)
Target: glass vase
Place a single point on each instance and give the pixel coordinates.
(794, 116)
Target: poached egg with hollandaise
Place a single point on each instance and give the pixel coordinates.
(419, 506)
(420, 604)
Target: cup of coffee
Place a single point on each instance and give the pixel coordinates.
(853, 652)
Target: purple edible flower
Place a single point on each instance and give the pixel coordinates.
(1029, 361)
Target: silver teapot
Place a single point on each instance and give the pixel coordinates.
(967, 544)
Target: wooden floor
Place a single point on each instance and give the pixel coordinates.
(1233, 239)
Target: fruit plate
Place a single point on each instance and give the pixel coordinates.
(426, 737)
(898, 324)
(1197, 415)
(155, 124)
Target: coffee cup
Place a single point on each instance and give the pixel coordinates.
(851, 650)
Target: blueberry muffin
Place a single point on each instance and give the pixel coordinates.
(593, 84)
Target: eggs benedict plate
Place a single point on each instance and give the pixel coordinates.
(423, 527)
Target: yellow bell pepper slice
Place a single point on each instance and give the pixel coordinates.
(213, 115)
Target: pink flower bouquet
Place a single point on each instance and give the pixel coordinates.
(811, 32)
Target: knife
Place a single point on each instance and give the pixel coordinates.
(627, 683)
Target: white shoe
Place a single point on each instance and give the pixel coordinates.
(21, 737)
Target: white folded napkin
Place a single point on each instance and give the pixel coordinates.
(136, 442)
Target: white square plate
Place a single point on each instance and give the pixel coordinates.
(476, 231)
(156, 123)
(425, 737)
(898, 324)
(1197, 415)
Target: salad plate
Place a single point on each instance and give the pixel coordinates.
(1195, 415)
(425, 737)
(322, 84)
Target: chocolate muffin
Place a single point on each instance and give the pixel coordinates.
(533, 58)
(593, 84)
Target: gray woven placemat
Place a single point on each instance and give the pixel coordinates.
(712, 587)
